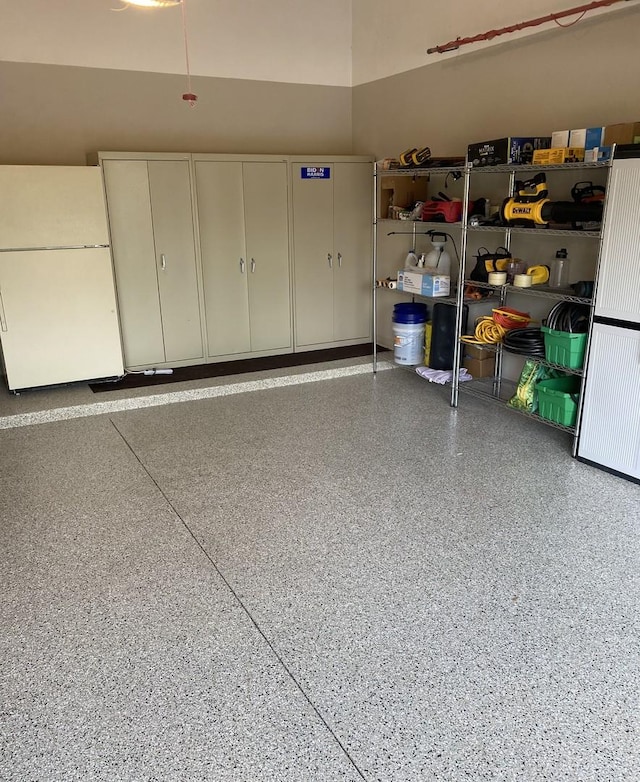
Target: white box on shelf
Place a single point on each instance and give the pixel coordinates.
(423, 283)
(578, 138)
(597, 154)
(587, 138)
(560, 138)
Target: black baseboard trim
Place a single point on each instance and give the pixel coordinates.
(610, 470)
(240, 367)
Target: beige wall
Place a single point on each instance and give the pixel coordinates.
(296, 41)
(585, 75)
(80, 76)
(53, 114)
(389, 39)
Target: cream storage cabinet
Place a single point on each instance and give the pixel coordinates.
(153, 246)
(332, 245)
(234, 256)
(243, 219)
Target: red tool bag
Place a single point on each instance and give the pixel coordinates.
(443, 211)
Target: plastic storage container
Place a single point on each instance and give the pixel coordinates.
(558, 400)
(559, 271)
(409, 320)
(411, 261)
(515, 266)
(564, 348)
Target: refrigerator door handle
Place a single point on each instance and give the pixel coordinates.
(3, 318)
(163, 262)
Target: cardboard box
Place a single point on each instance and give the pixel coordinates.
(624, 133)
(401, 191)
(478, 368)
(512, 150)
(477, 352)
(432, 285)
(548, 157)
(587, 138)
(597, 154)
(560, 138)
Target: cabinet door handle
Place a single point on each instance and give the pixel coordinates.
(163, 261)
(3, 318)
(242, 264)
(340, 260)
(330, 259)
(253, 266)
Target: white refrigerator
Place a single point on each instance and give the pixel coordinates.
(610, 428)
(58, 312)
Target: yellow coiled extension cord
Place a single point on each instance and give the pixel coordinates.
(490, 329)
(487, 332)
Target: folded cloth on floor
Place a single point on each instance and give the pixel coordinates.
(442, 376)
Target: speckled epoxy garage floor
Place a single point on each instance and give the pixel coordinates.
(331, 580)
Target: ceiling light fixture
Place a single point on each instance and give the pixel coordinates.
(153, 3)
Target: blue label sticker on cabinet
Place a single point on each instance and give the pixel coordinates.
(315, 172)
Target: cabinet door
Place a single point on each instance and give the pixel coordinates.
(267, 242)
(224, 259)
(131, 224)
(353, 226)
(618, 291)
(58, 319)
(170, 187)
(610, 430)
(313, 254)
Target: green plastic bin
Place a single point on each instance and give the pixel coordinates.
(564, 348)
(558, 400)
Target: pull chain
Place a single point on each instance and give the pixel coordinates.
(189, 95)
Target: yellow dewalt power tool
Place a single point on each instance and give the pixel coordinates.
(530, 206)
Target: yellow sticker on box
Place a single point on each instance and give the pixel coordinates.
(548, 157)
